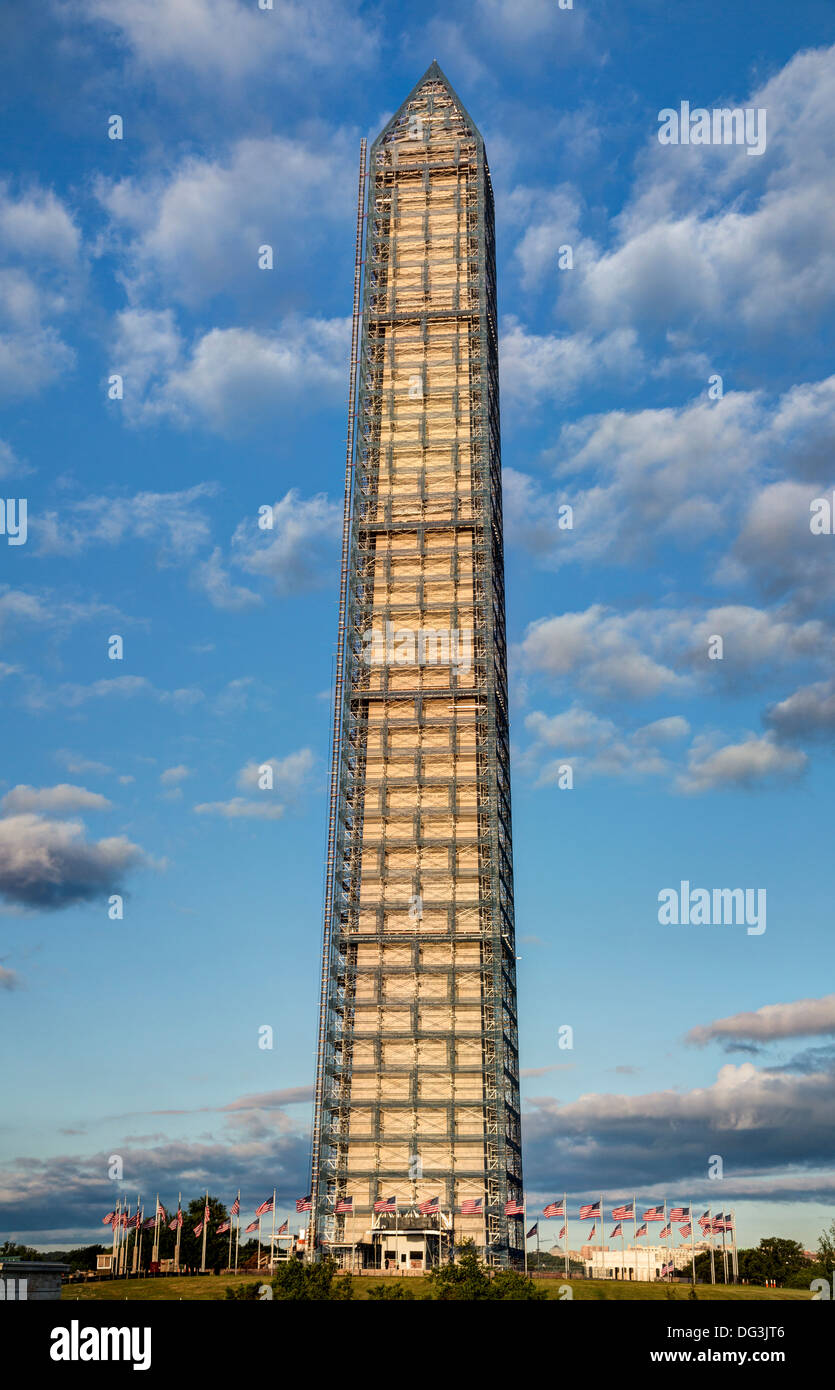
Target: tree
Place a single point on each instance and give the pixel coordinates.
(191, 1246)
(469, 1282)
(464, 1282)
(313, 1283)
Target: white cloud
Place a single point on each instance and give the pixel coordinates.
(174, 520)
(55, 800)
(172, 775)
(40, 281)
(214, 580)
(297, 553)
(802, 1017)
(290, 773)
(808, 713)
(229, 374)
(47, 864)
(753, 762)
(594, 746)
(195, 231)
(229, 40)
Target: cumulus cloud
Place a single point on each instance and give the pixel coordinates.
(39, 282)
(597, 747)
(53, 800)
(46, 864)
(802, 1017)
(194, 232)
(174, 775)
(599, 650)
(231, 41)
(227, 375)
(297, 551)
(809, 713)
(174, 521)
(289, 774)
(707, 240)
(214, 579)
(768, 1123)
(750, 763)
(651, 651)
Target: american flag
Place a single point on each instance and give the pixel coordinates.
(624, 1213)
(641, 1231)
(616, 1231)
(513, 1208)
(592, 1231)
(282, 1230)
(109, 1219)
(198, 1230)
(178, 1221)
(589, 1210)
(686, 1231)
(680, 1214)
(704, 1219)
(664, 1232)
(345, 1204)
(727, 1223)
(472, 1206)
(561, 1234)
(235, 1209)
(264, 1207)
(149, 1224)
(554, 1208)
(252, 1227)
(428, 1207)
(533, 1230)
(386, 1204)
(160, 1209)
(135, 1220)
(206, 1212)
(304, 1203)
(654, 1214)
(223, 1228)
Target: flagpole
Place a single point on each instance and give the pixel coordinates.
(229, 1255)
(525, 1229)
(259, 1244)
(272, 1243)
(692, 1238)
(734, 1254)
(238, 1230)
(141, 1234)
(712, 1264)
(602, 1239)
(179, 1231)
(724, 1253)
(205, 1225)
(635, 1230)
(565, 1228)
(114, 1226)
(137, 1219)
(669, 1225)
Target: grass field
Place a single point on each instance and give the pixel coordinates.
(214, 1287)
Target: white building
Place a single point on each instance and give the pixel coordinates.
(642, 1262)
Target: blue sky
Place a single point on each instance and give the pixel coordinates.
(139, 257)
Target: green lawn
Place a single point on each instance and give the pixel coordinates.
(214, 1287)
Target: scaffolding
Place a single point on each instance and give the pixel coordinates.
(417, 1089)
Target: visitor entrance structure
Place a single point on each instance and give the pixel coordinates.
(416, 1144)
